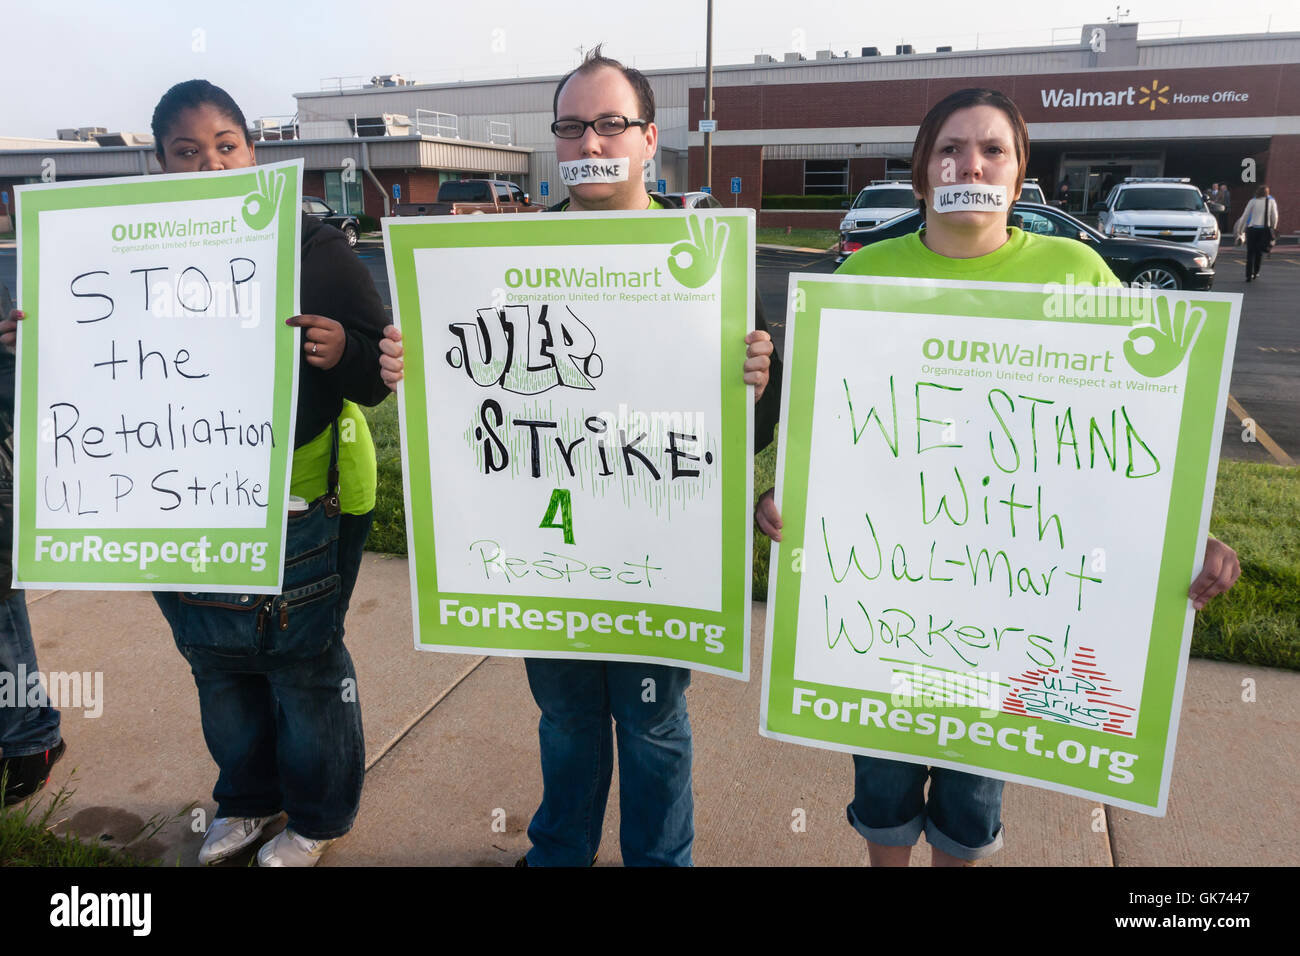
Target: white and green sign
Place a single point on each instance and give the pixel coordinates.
(995, 498)
(576, 434)
(156, 380)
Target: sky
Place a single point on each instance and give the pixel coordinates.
(83, 63)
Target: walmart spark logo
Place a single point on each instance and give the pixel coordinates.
(1155, 94)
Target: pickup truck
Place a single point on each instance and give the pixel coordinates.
(471, 197)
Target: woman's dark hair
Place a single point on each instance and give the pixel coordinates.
(593, 61)
(1261, 191)
(190, 95)
(938, 115)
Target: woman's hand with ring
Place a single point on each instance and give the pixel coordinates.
(323, 339)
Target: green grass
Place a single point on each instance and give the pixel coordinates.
(388, 533)
(1258, 621)
(808, 238)
(1255, 509)
(26, 837)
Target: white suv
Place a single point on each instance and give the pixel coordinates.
(1170, 209)
(1030, 191)
(882, 200)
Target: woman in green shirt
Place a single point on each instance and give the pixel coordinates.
(277, 689)
(971, 138)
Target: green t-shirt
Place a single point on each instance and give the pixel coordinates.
(311, 464)
(1024, 257)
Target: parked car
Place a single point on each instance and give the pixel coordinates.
(696, 200)
(472, 197)
(1030, 191)
(350, 226)
(1140, 262)
(1170, 209)
(879, 202)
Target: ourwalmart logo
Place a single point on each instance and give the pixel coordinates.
(1154, 94)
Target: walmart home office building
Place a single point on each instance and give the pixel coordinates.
(1109, 105)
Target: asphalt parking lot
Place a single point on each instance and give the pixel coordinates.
(1266, 369)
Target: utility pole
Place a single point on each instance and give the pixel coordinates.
(708, 97)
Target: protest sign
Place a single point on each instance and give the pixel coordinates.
(156, 380)
(576, 434)
(995, 499)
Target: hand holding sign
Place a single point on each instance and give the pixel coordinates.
(323, 341)
(705, 247)
(390, 358)
(1169, 339)
(270, 187)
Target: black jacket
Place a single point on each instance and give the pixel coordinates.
(768, 409)
(6, 471)
(334, 283)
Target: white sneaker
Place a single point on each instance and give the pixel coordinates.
(291, 849)
(228, 835)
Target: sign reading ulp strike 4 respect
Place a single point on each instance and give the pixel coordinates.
(156, 380)
(576, 434)
(995, 498)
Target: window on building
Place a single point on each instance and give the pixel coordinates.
(900, 169)
(825, 177)
(343, 197)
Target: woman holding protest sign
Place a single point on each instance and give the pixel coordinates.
(968, 165)
(287, 736)
(283, 721)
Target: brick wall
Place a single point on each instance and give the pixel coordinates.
(1282, 177)
(863, 171)
(783, 177)
(743, 161)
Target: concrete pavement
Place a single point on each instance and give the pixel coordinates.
(453, 774)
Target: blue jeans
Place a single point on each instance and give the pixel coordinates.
(277, 692)
(962, 816)
(24, 730)
(577, 699)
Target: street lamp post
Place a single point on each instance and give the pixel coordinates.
(708, 97)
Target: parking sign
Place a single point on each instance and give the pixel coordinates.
(662, 186)
(397, 191)
(735, 184)
(545, 188)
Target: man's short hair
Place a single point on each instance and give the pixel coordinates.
(595, 60)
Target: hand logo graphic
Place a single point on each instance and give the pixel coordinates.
(260, 207)
(705, 247)
(1169, 339)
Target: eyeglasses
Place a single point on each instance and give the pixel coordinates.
(603, 125)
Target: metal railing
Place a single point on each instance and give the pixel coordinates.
(433, 123)
(341, 83)
(274, 128)
(500, 132)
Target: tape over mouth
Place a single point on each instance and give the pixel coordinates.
(967, 197)
(576, 172)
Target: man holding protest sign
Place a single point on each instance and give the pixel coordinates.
(969, 163)
(605, 134)
(30, 742)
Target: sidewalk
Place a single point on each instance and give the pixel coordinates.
(451, 745)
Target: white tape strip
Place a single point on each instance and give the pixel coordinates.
(578, 171)
(970, 196)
